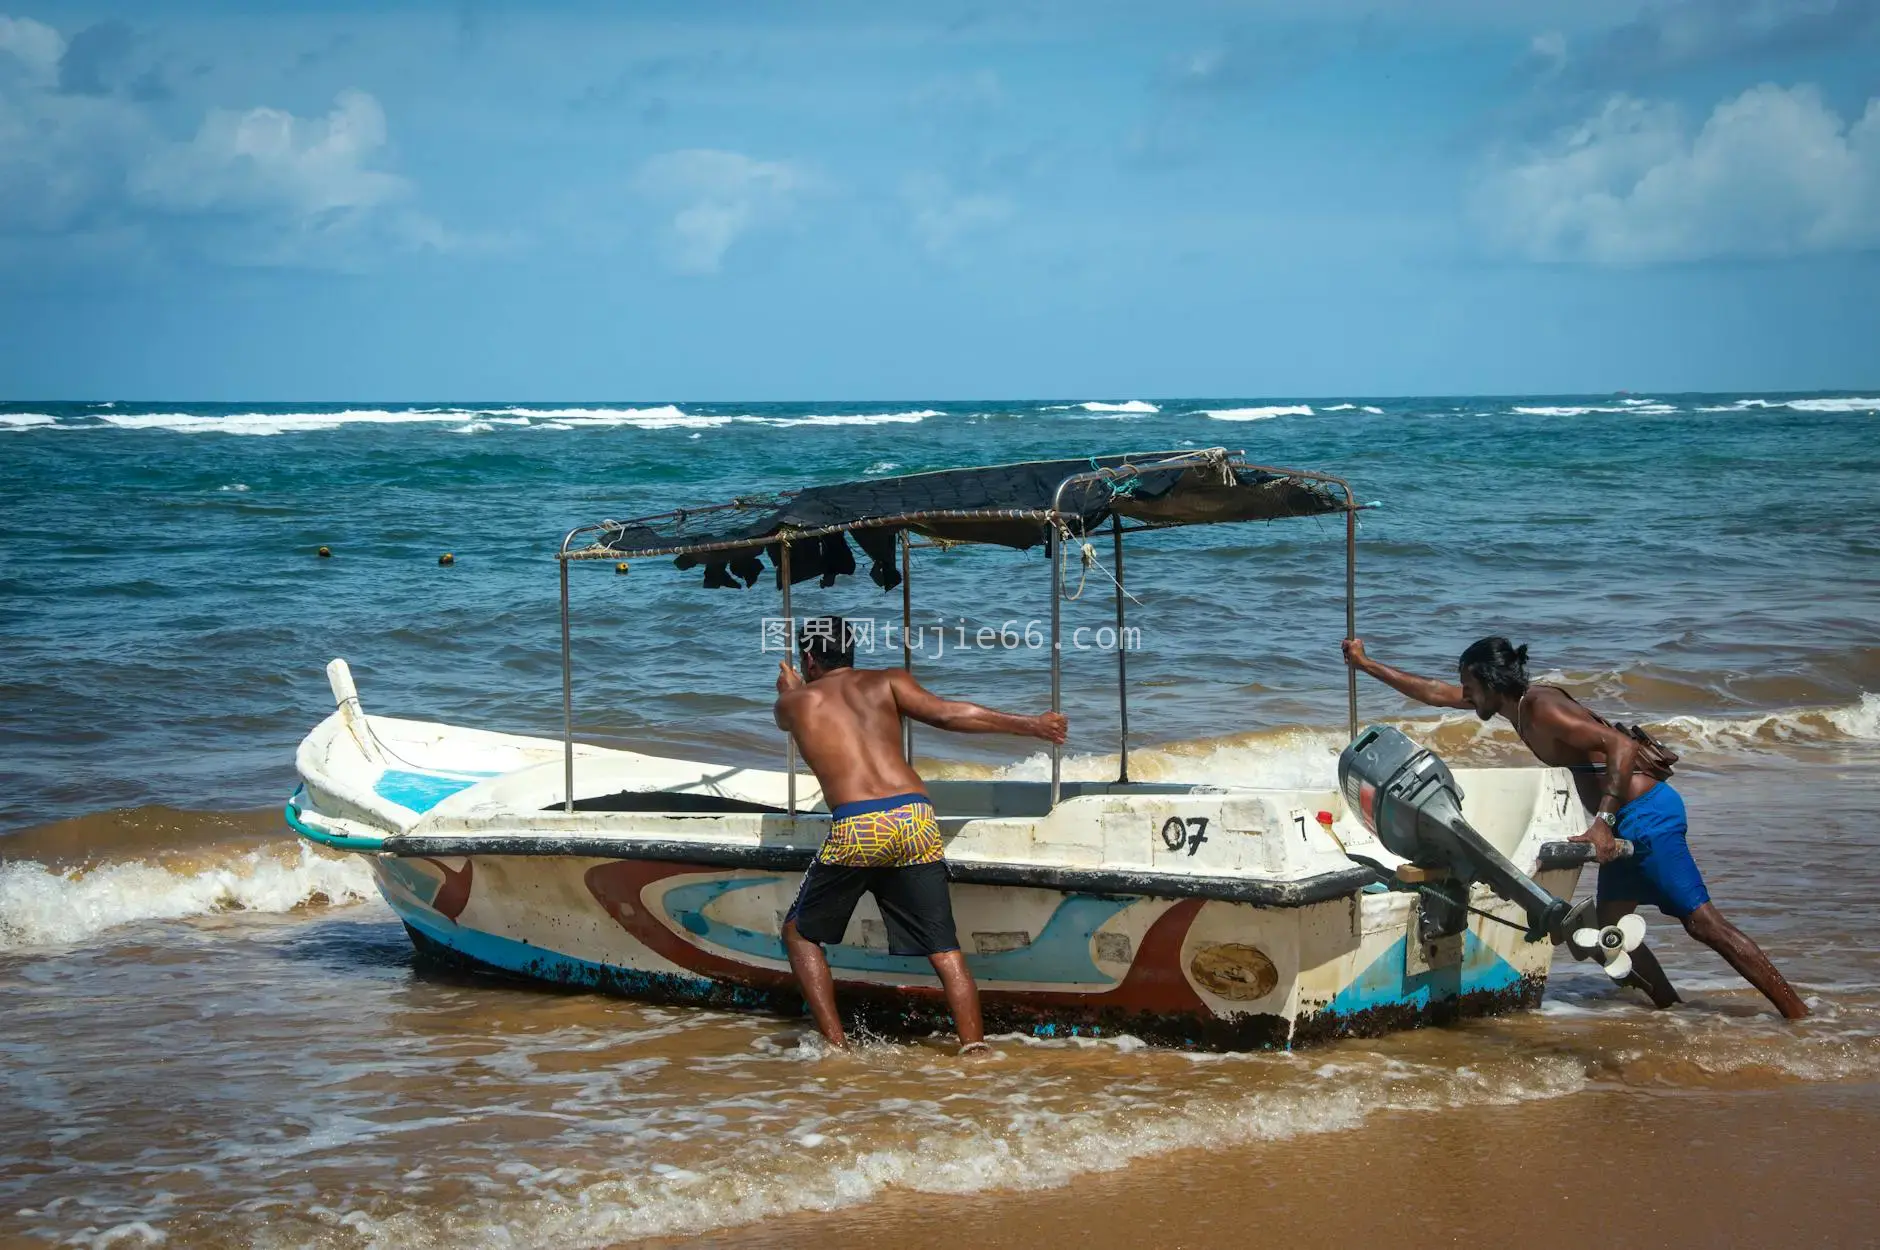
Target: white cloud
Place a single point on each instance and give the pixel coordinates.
(255, 186)
(265, 160)
(941, 217)
(34, 45)
(717, 197)
(1549, 48)
(1773, 172)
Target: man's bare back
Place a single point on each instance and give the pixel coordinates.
(1563, 734)
(847, 724)
(848, 727)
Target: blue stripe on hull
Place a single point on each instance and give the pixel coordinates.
(1059, 955)
(509, 955)
(1384, 984)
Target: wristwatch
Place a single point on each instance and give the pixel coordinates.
(1612, 821)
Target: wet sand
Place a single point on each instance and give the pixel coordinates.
(1794, 1166)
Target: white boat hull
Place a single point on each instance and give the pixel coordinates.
(1198, 916)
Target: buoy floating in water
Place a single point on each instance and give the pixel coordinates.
(620, 569)
(447, 558)
(324, 553)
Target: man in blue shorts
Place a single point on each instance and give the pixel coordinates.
(883, 838)
(1624, 784)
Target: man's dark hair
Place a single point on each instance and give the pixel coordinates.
(828, 640)
(1500, 664)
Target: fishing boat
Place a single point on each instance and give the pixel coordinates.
(1196, 915)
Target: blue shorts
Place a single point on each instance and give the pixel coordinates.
(1660, 870)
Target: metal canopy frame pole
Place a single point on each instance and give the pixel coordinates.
(789, 625)
(1054, 543)
(907, 643)
(567, 691)
(1122, 660)
(1351, 610)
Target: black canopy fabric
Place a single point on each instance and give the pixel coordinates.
(1006, 505)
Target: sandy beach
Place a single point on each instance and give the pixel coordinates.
(1662, 1168)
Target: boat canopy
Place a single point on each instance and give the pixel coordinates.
(1008, 505)
(1055, 502)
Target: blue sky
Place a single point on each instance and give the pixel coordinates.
(491, 200)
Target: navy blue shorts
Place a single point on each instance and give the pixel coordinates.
(1660, 870)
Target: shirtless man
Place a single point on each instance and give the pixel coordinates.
(1625, 801)
(883, 838)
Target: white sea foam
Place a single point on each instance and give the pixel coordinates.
(268, 423)
(1835, 405)
(1303, 758)
(1132, 405)
(1862, 720)
(1026, 1146)
(24, 420)
(1832, 404)
(1376, 412)
(1307, 758)
(663, 417)
(866, 418)
(1648, 408)
(1259, 414)
(40, 906)
(881, 466)
(237, 488)
(1792, 727)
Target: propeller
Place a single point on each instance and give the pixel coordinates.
(1612, 945)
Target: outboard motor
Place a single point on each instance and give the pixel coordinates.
(1408, 797)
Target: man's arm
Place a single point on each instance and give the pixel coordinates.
(1422, 689)
(788, 681)
(957, 716)
(1568, 726)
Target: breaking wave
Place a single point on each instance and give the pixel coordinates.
(1306, 757)
(663, 417)
(1842, 404)
(24, 420)
(48, 906)
(266, 423)
(875, 418)
(1021, 1145)
(1636, 407)
(1376, 412)
(469, 420)
(1259, 414)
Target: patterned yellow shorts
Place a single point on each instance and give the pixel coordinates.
(896, 832)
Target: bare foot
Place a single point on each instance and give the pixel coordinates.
(976, 1048)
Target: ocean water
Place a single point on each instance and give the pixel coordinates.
(216, 1036)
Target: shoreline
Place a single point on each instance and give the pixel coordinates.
(1785, 1166)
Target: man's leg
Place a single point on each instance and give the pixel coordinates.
(1708, 926)
(1647, 973)
(917, 904)
(823, 906)
(1665, 865)
(962, 996)
(819, 988)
